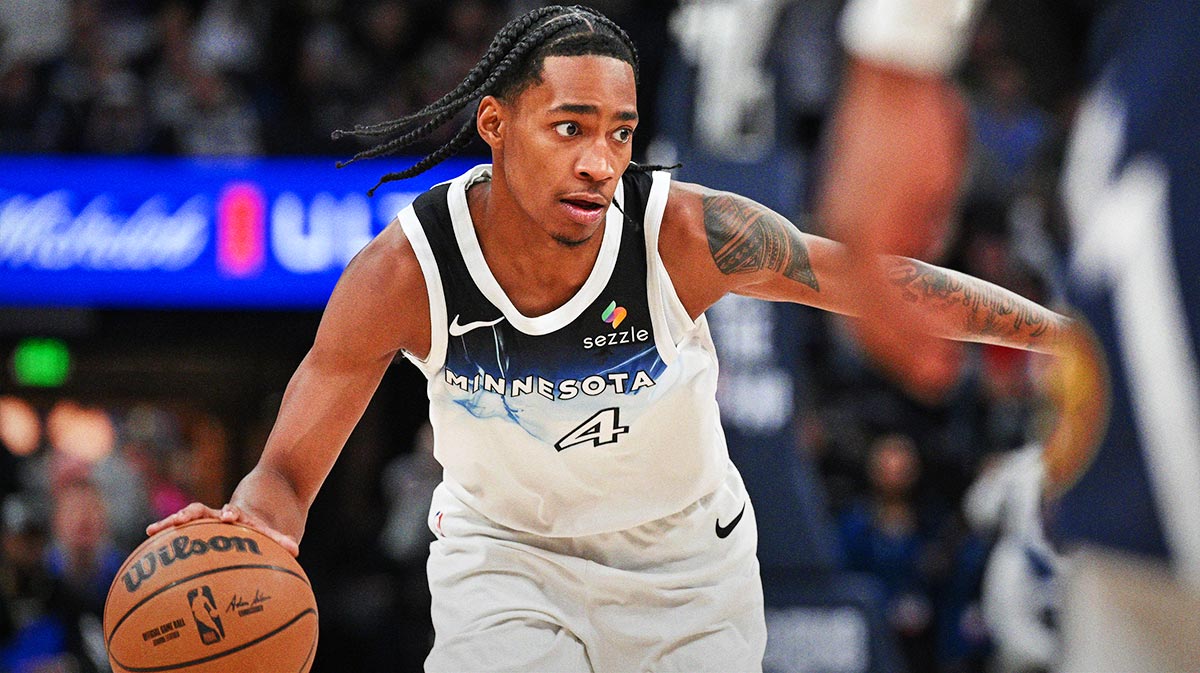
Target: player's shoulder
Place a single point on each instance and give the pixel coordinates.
(374, 302)
(685, 211)
(435, 197)
(387, 263)
(684, 247)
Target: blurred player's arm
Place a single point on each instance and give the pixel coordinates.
(370, 316)
(896, 153)
(899, 135)
(715, 243)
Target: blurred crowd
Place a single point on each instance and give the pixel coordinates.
(936, 497)
(78, 484)
(223, 77)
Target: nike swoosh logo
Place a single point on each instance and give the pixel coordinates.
(459, 330)
(724, 531)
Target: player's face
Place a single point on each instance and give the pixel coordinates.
(568, 141)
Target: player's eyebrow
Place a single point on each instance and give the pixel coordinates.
(586, 109)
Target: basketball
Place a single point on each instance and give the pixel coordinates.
(210, 597)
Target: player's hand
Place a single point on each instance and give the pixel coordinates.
(925, 367)
(227, 514)
(192, 512)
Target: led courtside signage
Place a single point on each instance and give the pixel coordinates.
(254, 233)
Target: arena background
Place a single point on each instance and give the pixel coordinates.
(171, 223)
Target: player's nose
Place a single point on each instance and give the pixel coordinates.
(596, 162)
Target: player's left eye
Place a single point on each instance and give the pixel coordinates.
(623, 135)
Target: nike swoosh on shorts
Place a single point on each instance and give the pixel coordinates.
(459, 330)
(724, 531)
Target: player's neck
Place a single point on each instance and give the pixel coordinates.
(537, 272)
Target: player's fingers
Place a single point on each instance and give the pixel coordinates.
(194, 511)
(232, 514)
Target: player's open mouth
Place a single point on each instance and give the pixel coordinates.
(589, 206)
(584, 211)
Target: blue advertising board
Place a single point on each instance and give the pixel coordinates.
(189, 233)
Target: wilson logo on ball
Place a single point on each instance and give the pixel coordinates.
(181, 548)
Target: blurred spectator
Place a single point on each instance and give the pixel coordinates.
(388, 38)
(220, 119)
(20, 108)
(408, 483)
(82, 554)
(325, 89)
(33, 31)
(172, 66)
(76, 78)
(81, 443)
(228, 36)
(118, 121)
(1009, 129)
(152, 444)
(888, 535)
(20, 437)
(44, 628)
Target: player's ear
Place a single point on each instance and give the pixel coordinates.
(489, 120)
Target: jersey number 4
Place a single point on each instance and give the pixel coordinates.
(604, 427)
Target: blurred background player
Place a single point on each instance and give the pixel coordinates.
(1123, 464)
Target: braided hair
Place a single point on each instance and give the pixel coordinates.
(511, 64)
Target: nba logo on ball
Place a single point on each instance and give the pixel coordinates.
(207, 597)
(208, 620)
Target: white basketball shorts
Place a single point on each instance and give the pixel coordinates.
(678, 594)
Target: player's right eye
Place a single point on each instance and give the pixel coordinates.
(567, 129)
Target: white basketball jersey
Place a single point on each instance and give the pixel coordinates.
(598, 416)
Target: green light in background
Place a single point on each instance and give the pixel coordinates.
(41, 363)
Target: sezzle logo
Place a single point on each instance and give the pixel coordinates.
(614, 314)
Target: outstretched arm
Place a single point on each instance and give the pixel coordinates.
(964, 308)
(749, 249)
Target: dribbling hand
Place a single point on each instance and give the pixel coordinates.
(227, 514)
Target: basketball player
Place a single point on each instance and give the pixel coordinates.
(589, 517)
(1124, 462)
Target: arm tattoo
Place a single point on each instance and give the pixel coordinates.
(991, 310)
(744, 236)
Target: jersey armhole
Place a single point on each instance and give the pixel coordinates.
(436, 294)
(668, 316)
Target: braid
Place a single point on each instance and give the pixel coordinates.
(406, 139)
(460, 140)
(512, 61)
(651, 168)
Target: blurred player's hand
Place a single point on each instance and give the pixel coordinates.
(1078, 385)
(925, 367)
(895, 164)
(227, 514)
